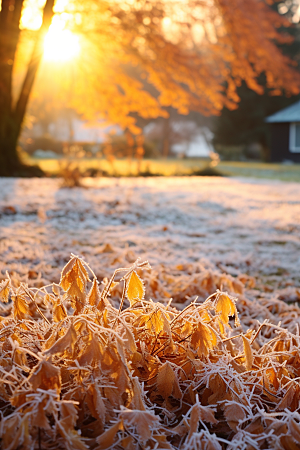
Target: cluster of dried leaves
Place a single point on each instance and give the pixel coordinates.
(77, 373)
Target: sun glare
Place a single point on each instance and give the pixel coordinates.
(61, 45)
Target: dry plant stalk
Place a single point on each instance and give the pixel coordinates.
(70, 174)
(77, 373)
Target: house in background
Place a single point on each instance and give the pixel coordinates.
(285, 134)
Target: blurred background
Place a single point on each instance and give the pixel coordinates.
(144, 87)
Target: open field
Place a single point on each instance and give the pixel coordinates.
(174, 374)
(177, 167)
(223, 224)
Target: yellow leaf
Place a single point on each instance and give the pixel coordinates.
(135, 289)
(226, 307)
(20, 308)
(74, 277)
(248, 353)
(59, 312)
(4, 291)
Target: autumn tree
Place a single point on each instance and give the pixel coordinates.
(193, 52)
(12, 112)
(246, 125)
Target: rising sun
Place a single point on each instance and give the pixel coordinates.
(61, 45)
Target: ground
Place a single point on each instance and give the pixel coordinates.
(171, 167)
(185, 227)
(172, 373)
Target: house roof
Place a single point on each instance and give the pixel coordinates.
(289, 114)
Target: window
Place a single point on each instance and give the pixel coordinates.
(295, 137)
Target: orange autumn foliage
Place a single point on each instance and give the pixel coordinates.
(145, 375)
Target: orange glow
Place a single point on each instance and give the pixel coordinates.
(61, 45)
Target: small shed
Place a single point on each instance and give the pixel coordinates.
(285, 134)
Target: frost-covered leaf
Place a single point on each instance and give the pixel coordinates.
(59, 312)
(135, 288)
(64, 344)
(234, 413)
(248, 353)
(45, 376)
(165, 380)
(94, 295)
(200, 413)
(106, 439)
(92, 353)
(4, 291)
(203, 339)
(225, 307)
(142, 421)
(20, 307)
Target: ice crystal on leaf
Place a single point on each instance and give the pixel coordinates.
(78, 373)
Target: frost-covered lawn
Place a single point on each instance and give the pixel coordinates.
(188, 228)
(175, 166)
(172, 373)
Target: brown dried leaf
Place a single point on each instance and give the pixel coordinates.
(137, 400)
(71, 436)
(290, 399)
(294, 429)
(97, 403)
(40, 419)
(141, 421)
(234, 413)
(198, 413)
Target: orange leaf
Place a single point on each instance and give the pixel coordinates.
(248, 353)
(165, 380)
(20, 308)
(226, 307)
(203, 339)
(65, 344)
(135, 289)
(106, 439)
(94, 294)
(4, 291)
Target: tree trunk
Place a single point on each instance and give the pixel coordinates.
(12, 117)
(9, 159)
